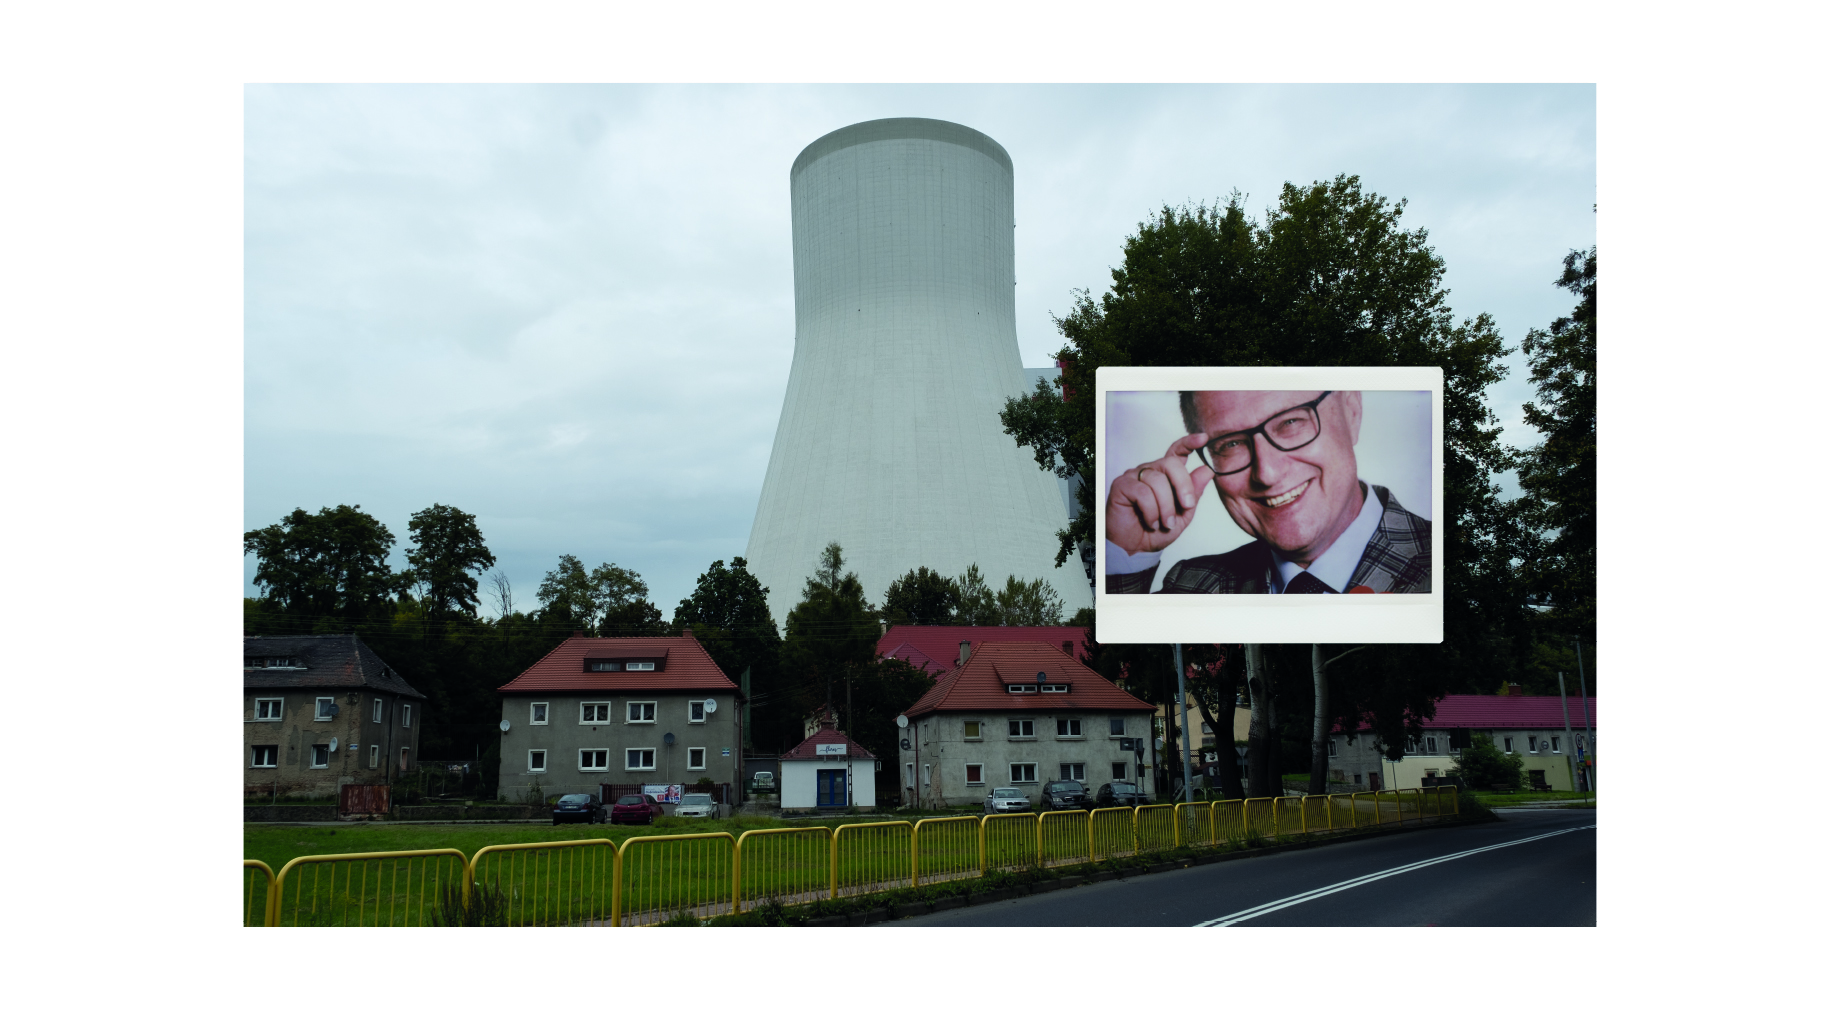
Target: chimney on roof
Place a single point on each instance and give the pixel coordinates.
(578, 634)
(1514, 690)
(964, 652)
(1067, 647)
(687, 633)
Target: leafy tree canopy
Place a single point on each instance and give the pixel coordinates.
(446, 550)
(331, 563)
(922, 596)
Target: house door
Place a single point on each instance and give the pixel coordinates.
(833, 791)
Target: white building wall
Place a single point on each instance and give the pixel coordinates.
(944, 747)
(798, 789)
(889, 441)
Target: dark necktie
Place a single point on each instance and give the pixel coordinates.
(1307, 583)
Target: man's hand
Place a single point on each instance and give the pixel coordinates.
(1150, 505)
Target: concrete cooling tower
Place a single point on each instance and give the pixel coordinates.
(903, 260)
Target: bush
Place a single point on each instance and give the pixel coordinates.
(1482, 764)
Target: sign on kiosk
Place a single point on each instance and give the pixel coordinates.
(833, 749)
(1270, 505)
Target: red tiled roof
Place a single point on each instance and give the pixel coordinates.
(686, 666)
(1495, 711)
(917, 658)
(980, 685)
(808, 750)
(939, 643)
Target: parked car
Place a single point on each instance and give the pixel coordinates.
(634, 808)
(583, 807)
(697, 805)
(1121, 794)
(763, 782)
(1006, 800)
(1065, 795)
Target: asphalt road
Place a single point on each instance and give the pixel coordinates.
(1533, 868)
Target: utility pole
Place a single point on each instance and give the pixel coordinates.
(1571, 745)
(1188, 785)
(1584, 696)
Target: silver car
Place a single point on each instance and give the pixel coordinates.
(697, 805)
(1006, 800)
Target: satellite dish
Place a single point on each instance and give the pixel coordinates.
(709, 705)
(1041, 677)
(901, 721)
(504, 725)
(669, 739)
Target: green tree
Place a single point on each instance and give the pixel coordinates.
(1028, 604)
(1559, 476)
(977, 603)
(830, 638)
(610, 600)
(447, 549)
(728, 613)
(922, 596)
(328, 564)
(568, 592)
(1482, 764)
(1330, 277)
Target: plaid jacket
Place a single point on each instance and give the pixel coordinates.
(1397, 560)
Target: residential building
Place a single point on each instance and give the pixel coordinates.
(619, 712)
(827, 771)
(1020, 713)
(321, 712)
(1530, 727)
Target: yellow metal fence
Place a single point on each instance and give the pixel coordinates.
(650, 879)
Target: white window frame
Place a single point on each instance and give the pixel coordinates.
(536, 762)
(696, 713)
(650, 762)
(1022, 689)
(583, 712)
(408, 710)
(1077, 767)
(926, 776)
(1123, 729)
(630, 721)
(582, 763)
(1411, 746)
(974, 778)
(1331, 746)
(260, 702)
(1119, 768)
(539, 713)
(319, 706)
(1533, 744)
(1053, 689)
(1032, 773)
(1431, 745)
(274, 755)
(402, 760)
(1074, 726)
(1507, 741)
(313, 753)
(376, 712)
(376, 754)
(642, 665)
(698, 758)
(907, 775)
(977, 724)
(1027, 725)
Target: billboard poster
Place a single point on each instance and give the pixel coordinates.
(1269, 505)
(666, 794)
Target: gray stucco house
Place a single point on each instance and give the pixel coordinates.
(323, 711)
(619, 712)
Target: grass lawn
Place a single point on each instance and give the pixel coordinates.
(1488, 799)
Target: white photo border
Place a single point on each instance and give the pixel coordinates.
(1271, 620)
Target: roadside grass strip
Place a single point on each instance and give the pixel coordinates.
(1322, 892)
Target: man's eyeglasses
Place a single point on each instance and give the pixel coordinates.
(1285, 430)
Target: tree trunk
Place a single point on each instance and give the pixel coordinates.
(1257, 750)
(1319, 733)
(1274, 734)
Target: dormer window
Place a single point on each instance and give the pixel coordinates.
(1022, 689)
(621, 664)
(603, 665)
(269, 662)
(641, 664)
(1053, 689)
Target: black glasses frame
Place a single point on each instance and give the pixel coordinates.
(1207, 456)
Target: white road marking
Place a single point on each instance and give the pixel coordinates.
(1298, 899)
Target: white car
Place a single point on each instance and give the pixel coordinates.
(1006, 800)
(697, 805)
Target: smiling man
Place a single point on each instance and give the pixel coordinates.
(1283, 464)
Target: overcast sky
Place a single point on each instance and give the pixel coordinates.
(568, 310)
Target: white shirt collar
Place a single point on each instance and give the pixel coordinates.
(1336, 565)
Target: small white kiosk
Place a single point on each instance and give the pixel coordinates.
(827, 772)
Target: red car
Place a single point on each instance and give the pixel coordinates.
(634, 808)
